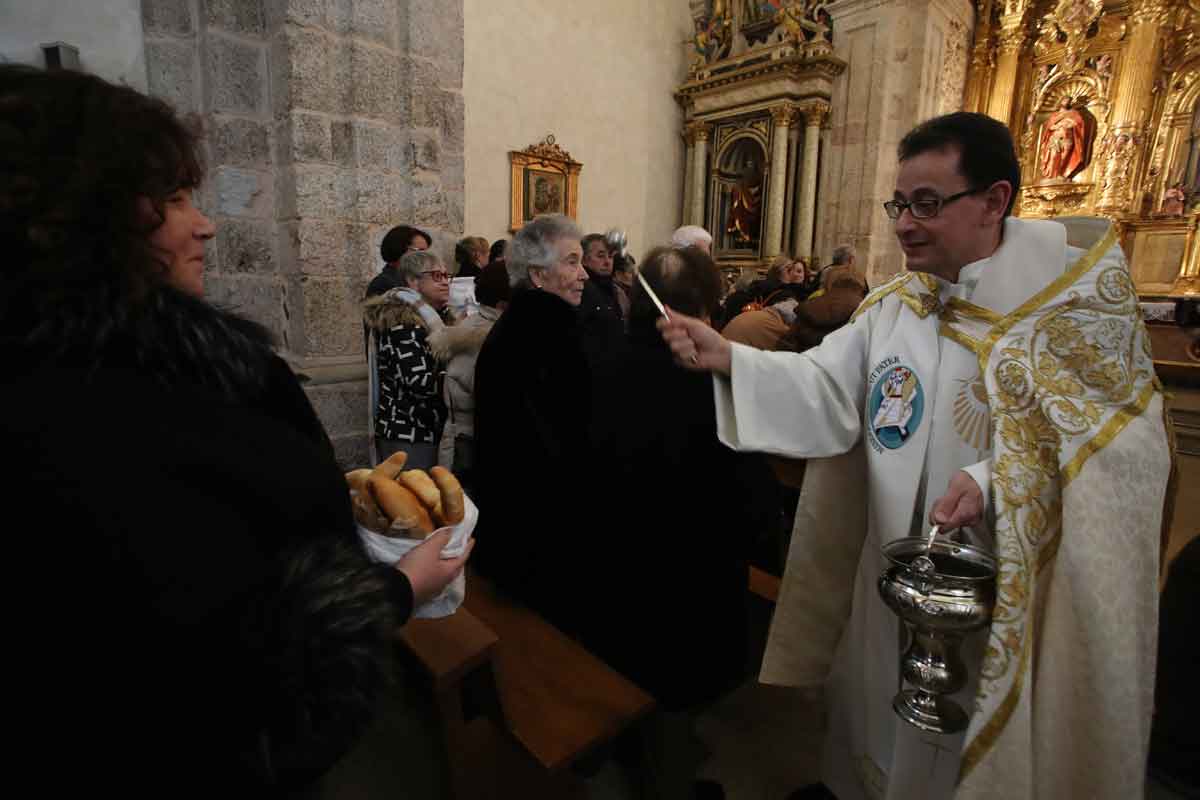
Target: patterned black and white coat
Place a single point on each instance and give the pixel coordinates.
(410, 407)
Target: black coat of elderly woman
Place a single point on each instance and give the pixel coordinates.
(406, 391)
(532, 410)
(189, 609)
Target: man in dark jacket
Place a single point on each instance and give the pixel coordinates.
(398, 241)
(600, 318)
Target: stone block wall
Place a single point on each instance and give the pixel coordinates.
(326, 122)
(906, 61)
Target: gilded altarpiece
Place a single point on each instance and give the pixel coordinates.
(755, 102)
(1103, 99)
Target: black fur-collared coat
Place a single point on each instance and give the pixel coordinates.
(189, 611)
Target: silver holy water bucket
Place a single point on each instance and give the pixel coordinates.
(940, 599)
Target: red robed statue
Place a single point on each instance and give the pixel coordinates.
(1064, 142)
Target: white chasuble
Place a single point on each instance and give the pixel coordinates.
(1033, 374)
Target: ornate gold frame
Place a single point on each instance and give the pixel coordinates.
(545, 156)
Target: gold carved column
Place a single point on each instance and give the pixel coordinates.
(979, 73)
(1010, 43)
(782, 118)
(700, 132)
(1122, 146)
(815, 114)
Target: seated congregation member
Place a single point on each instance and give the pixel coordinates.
(784, 281)
(203, 621)
(398, 241)
(532, 409)
(470, 256)
(498, 251)
(762, 327)
(409, 412)
(458, 347)
(692, 236)
(844, 255)
(688, 504)
(841, 291)
(600, 318)
(624, 269)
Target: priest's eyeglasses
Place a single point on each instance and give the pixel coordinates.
(924, 207)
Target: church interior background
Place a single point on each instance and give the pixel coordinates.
(771, 123)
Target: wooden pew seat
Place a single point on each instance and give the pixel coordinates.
(561, 702)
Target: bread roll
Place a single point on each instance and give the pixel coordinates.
(406, 514)
(367, 512)
(453, 506)
(357, 479)
(392, 467)
(419, 483)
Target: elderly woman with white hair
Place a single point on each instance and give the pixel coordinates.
(532, 412)
(406, 381)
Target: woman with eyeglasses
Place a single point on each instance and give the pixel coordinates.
(406, 380)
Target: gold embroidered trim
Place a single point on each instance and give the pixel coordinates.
(1109, 432)
(1026, 470)
(995, 726)
(1068, 278)
(955, 335)
(882, 292)
(965, 308)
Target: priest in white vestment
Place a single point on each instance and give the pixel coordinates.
(1002, 386)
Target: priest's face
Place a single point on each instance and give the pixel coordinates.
(963, 230)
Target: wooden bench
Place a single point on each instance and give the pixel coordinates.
(496, 667)
(764, 584)
(561, 702)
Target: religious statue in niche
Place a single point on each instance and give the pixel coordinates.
(1173, 200)
(1065, 143)
(741, 196)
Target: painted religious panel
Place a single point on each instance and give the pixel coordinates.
(545, 180)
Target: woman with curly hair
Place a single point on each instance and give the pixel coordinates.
(193, 609)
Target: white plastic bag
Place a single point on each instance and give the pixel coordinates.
(389, 550)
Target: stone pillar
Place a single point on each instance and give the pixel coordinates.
(782, 118)
(907, 59)
(1122, 146)
(327, 123)
(689, 173)
(700, 133)
(211, 60)
(1011, 43)
(806, 209)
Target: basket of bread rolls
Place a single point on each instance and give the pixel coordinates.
(396, 509)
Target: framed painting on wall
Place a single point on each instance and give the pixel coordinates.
(545, 180)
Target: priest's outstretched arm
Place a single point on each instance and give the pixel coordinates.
(797, 405)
